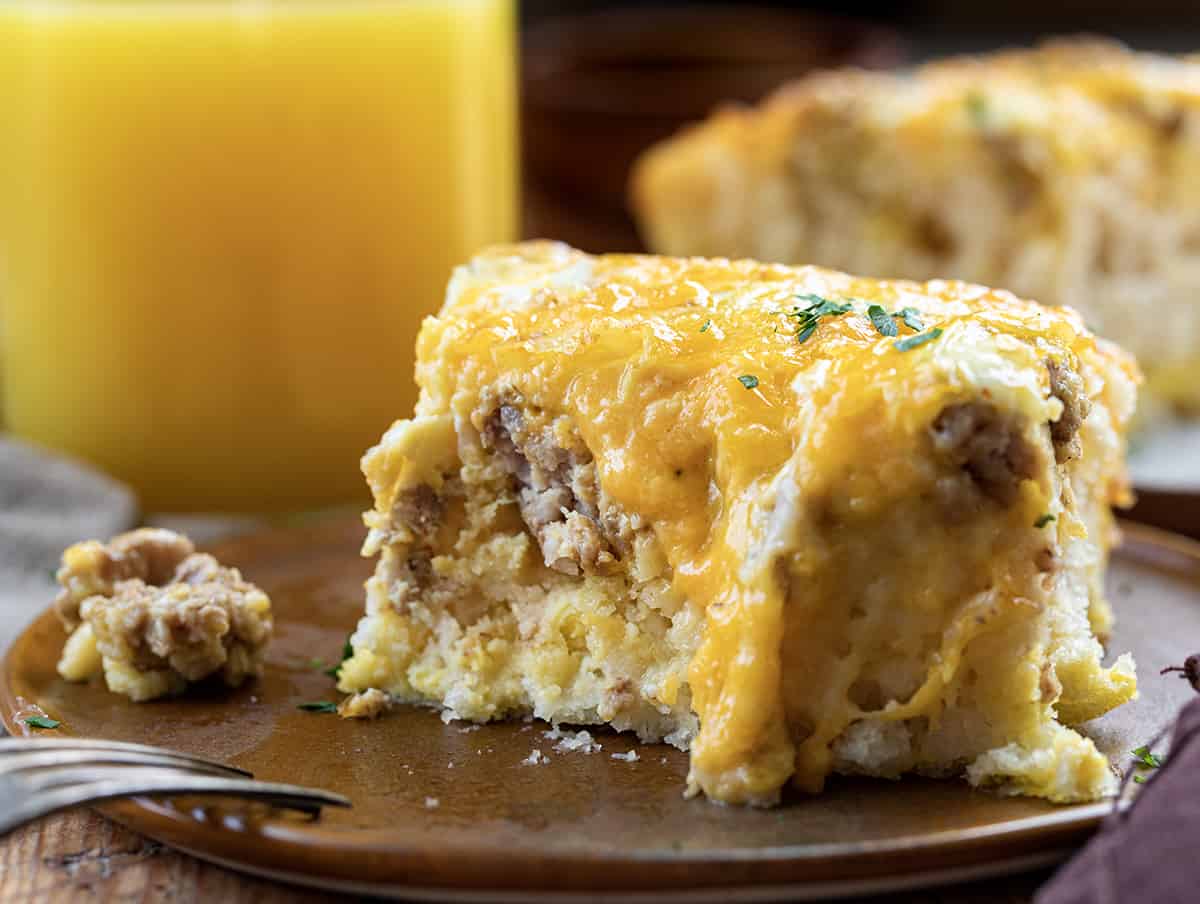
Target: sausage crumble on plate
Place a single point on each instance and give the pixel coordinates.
(153, 615)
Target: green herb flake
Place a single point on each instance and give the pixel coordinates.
(1043, 520)
(908, 343)
(882, 321)
(977, 109)
(707, 324)
(819, 306)
(749, 381)
(41, 722)
(911, 318)
(319, 706)
(809, 314)
(1139, 779)
(347, 652)
(1145, 758)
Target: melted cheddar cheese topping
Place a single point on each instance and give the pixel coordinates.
(752, 455)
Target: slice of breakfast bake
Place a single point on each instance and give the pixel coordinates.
(792, 520)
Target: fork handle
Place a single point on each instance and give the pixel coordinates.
(17, 808)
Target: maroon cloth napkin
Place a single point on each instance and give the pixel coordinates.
(1151, 852)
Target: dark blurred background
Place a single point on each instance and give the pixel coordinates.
(603, 80)
(1154, 24)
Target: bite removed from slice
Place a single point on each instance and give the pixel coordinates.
(794, 521)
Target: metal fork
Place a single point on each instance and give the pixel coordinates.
(43, 776)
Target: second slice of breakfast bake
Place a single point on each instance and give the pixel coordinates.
(1069, 174)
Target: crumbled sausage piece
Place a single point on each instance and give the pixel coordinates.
(417, 514)
(154, 621)
(977, 437)
(1067, 386)
(557, 495)
(420, 510)
(150, 554)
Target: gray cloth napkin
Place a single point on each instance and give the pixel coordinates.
(47, 503)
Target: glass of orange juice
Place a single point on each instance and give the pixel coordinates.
(222, 222)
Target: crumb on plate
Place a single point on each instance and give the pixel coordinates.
(369, 704)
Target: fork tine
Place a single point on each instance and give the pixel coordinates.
(27, 807)
(57, 759)
(15, 745)
(38, 781)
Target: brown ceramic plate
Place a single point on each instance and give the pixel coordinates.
(450, 811)
(1164, 464)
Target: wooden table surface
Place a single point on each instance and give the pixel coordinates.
(83, 857)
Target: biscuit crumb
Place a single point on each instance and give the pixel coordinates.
(535, 758)
(572, 741)
(370, 704)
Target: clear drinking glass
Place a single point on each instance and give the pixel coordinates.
(222, 222)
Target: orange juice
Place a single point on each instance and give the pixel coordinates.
(222, 222)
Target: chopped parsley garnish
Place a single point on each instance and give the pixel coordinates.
(41, 722)
(347, 652)
(885, 323)
(809, 315)
(820, 304)
(911, 318)
(1145, 758)
(1043, 520)
(882, 321)
(910, 342)
(707, 324)
(977, 109)
(749, 381)
(319, 706)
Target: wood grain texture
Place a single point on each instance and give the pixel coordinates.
(84, 857)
